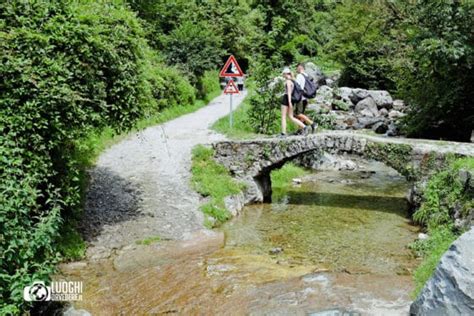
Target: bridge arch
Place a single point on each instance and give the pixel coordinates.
(252, 161)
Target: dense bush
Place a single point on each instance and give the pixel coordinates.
(264, 110)
(421, 50)
(435, 68)
(444, 195)
(66, 69)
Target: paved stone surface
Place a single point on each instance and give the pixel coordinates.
(140, 188)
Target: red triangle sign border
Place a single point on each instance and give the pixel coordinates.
(224, 73)
(231, 88)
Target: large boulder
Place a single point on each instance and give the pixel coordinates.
(358, 94)
(382, 98)
(367, 107)
(344, 94)
(368, 122)
(314, 72)
(324, 95)
(450, 291)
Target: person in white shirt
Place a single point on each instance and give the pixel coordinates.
(301, 106)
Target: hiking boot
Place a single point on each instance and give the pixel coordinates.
(314, 126)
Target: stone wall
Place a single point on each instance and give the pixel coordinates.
(252, 161)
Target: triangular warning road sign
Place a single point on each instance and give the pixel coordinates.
(231, 68)
(231, 88)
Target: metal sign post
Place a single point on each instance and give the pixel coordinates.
(230, 116)
(231, 69)
(231, 89)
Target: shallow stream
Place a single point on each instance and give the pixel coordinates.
(336, 242)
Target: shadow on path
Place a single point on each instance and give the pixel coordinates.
(109, 199)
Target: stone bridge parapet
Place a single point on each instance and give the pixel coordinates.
(251, 161)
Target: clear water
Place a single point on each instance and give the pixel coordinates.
(337, 242)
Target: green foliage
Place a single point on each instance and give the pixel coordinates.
(212, 180)
(431, 249)
(210, 84)
(325, 121)
(434, 72)
(149, 240)
(69, 71)
(361, 44)
(241, 127)
(282, 177)
(265, 103)
(194, 47)
(444, 193)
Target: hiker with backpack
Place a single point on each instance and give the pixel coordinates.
(293, 94)
(309, 91)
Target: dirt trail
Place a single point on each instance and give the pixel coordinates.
(140, 188)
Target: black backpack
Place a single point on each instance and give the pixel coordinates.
(310, 87)
(297, 92)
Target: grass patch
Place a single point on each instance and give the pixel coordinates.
(241, 128)
(282, 178)
(71, 245)
(431, 250)
(148, 241)
(212, 180)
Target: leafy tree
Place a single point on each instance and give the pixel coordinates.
(434, 69)
(362, 43)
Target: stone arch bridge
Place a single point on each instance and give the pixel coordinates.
(251, 161)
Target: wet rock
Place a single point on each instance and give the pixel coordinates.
(450, 291)
(276, 250)
(71, 311)
(296, 180)
(367, 107)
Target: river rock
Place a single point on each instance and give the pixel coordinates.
(392, 129)
(276, 250)
(358, 95)
(314, 72)
(324, 95)
(382, 98)
(399, 105)
(394, 114)
(450, 291)
(344, 94)
(383, 112)
(380, 127)
(368, 122)
(367, 107)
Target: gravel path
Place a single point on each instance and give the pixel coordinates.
(140, 187)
